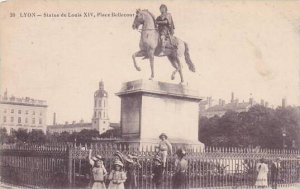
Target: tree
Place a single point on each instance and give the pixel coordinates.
(64, 137)
(36, 136)
(112, 133)
(21, 135)
(86, 135)
(260, 126)
(3, 135)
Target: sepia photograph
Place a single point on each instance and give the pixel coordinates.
(149, 94)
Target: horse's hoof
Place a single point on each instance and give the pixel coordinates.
(172, 77)
(151, 78)
(138, 69)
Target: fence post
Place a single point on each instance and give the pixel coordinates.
(70, 167)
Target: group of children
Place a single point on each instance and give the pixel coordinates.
(124, 172)
(117, 176)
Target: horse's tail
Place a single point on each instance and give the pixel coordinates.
(188, 58)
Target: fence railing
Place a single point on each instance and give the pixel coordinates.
(66, 166)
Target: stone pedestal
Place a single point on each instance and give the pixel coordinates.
(149, 108)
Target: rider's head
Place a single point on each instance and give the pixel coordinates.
(163, 8)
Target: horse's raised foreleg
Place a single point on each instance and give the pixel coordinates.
(151, 58)
(137, 54)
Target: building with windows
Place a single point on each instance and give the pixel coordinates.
(69, 127)
(206, 108)
(22, 113)
(100, 118)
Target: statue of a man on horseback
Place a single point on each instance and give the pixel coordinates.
(157, 39)
(165, 27)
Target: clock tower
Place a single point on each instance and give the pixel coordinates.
(100, 120)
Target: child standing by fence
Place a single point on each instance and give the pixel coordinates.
(117, 176)
(262, 177)
(98, 171)
(132, 168)
(164, 147)
(181, 166)
(157, 172)
(275, 168)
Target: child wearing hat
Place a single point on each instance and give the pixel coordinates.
(117, 176)
(262, 177)
(132, 165)
(157, 175)
(98, 171)
(275, 168)
(181, 166)
(164, 147)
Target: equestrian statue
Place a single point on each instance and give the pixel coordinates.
(157, 39)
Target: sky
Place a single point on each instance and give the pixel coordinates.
(245, 47)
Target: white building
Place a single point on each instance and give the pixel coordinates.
(206, 108)
(70, 128)
(22, 113)
(100, 120)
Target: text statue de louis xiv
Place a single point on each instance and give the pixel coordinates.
(157, 40)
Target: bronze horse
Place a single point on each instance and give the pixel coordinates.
(150, 45)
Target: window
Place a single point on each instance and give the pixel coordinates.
(19, 111)
(33, 112)
(103, 103)
(103, 114)
(19, 120)
(12, 111)
(12, 119)
(26, 120)
(4, 119)
(33, 120)
(4, 111)
(40, 121)
(41, 113)
(26, 112)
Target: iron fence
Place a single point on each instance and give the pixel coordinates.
(66, 166)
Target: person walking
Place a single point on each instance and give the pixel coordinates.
(275, 167)
(181, 166)
(157, 176)
(262, 177)
(98, 171)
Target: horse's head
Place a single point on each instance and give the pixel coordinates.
(138, 20)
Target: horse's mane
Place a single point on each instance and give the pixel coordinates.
(151, 14)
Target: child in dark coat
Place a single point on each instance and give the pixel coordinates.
(275, 167)
(181, 166)
(157, 175)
